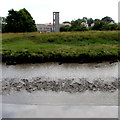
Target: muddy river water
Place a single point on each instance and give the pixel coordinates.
(60, 86)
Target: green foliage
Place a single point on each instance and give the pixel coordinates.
(79, 28)
(75, 26)
(97, 19)
(64, 44)
(103, 24)
(86, 46)
(19, 21)
(107, 19)
(66, 22)
(69, 38)
(65, 28)
(111, 27)
(90, 21)
(2, 24)
(77, 22)
(2, 20)
(99, 25)
(118, 27)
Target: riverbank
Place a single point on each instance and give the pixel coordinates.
(72, 47)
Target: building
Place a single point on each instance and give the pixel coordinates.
(65, 24)
(44, 27)
(112, 23)
(92, 24)
(85, 24)
(49, 27)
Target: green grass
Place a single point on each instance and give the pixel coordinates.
(61, 47)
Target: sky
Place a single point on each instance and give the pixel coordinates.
(42, 10)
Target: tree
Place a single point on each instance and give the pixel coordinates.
(97, 19)
(111, 27)
(99, 25)
(2, 24)
(85, 19)
(66, 22)
(107, 19)
(65, 28)
(77, 22)
(19, 21)
(2, 20)
(79, 28)
(90, 21)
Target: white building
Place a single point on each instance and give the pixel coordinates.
(92, 24)
(49, 27)
(44, 27)
(85, 24)
(112, 23)
(65, 24)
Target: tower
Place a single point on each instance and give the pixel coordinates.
(56, 27)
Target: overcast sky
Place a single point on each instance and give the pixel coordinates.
(41, 10)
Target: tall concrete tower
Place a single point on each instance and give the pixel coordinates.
(56, 27)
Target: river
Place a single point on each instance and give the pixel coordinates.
(75, 88)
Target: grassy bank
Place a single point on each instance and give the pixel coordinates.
(90, 46)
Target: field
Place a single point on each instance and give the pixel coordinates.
(80, 47)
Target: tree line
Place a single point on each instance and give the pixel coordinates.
(22, 21)
(106, 23)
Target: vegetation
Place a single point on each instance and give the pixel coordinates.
(22, 21)
(97, 24)
(18, 21)
(89, 46)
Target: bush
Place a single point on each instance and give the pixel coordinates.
(99, 25)
(79, 28)
(65, 28)
(111, 27)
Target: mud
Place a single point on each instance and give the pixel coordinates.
(66, 85)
